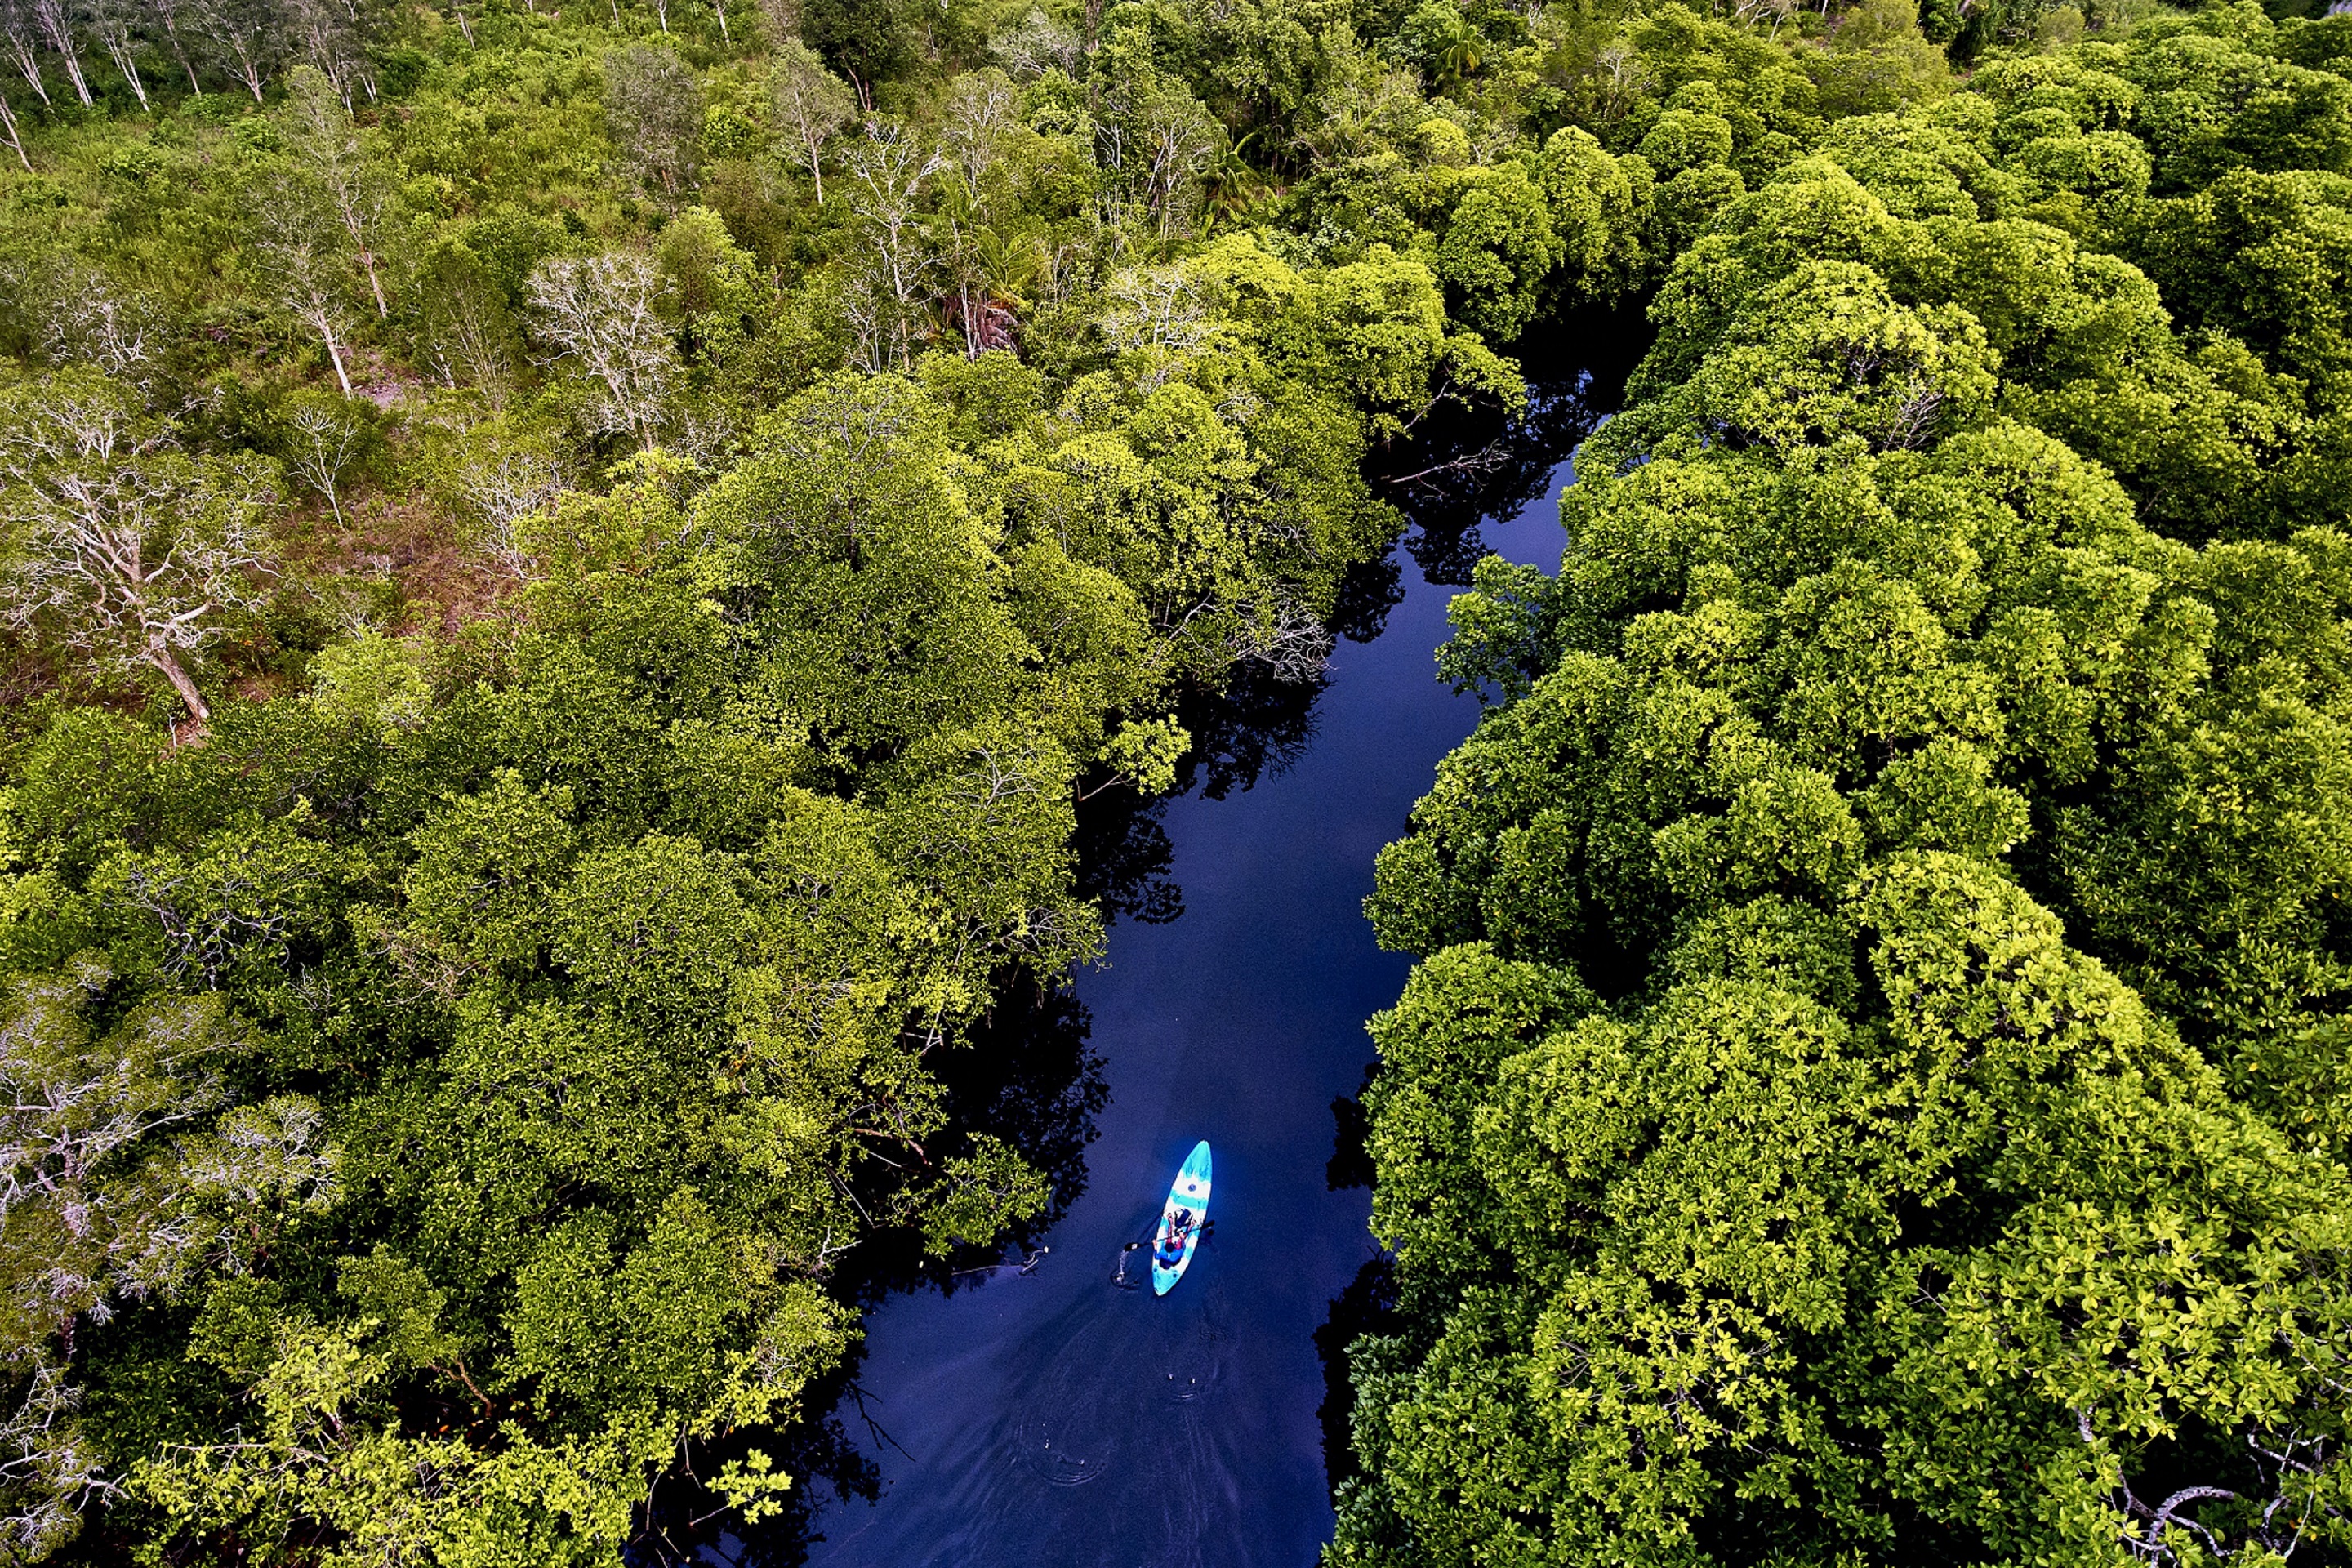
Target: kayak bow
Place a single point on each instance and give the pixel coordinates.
(1180, 1221)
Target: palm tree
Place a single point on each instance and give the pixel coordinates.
(1005, 267)
(1230, 186)
(1010, 264)
(1462, 51)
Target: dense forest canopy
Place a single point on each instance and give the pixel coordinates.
(568, 570)
(1871, 1091)
(566, 579)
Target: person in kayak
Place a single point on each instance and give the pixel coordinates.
(1171, 1251)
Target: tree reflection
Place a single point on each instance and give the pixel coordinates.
(1253, 729)
(1368, 1306)
(1027, 1073)
(1124, 857)
(1472, 466)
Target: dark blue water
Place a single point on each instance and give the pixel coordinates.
(1052, 1420)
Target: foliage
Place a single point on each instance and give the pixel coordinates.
(603, 751)
(1871, 1085)
(569, 570)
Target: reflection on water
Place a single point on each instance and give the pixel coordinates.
(1368, 1306)
(1053, 1418)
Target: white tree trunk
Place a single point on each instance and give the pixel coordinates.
(162, 660)
(28, 62)
(335, 353)
(120, 44)
(57, 27)
(16, 142)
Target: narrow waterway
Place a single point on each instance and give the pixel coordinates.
(1052, 1419)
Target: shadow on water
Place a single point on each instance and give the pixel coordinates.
(1368, 1306)
(1118, 1392)
(1257, 727)
(1051, 1418)
(1028, 1073)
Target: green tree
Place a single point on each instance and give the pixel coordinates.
(653, 114)
(1876, 1033)
(1498, 250)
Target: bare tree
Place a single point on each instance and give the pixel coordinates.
(22, 35)
(507, 483)
(1779, 11)
(1621, 66)
(867, 306)
(116, 23)
(1283, 635)
(246, 34)
(468, 336)
(983, 109)
(303, 261)
(49, 1472)
(887, 168)
(598, 312)
(326, 143)
(56, 25)
(1175, 141)
(15, 138)
(330, 45)
(123, 1167)
(132, 550)
(88, 318)
(324, 440)
(1037, 44)
(1159, 322)
(653, 110)
(165, 16)
(71, 1109)
(812, 104)
(781, 20)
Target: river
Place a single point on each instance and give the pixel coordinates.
(1052, 1419)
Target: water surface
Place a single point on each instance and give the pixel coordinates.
(1054, 1420)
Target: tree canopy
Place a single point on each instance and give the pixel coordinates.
(567, 576)
(1869, 1090)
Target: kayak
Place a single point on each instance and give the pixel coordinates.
(1179, 1222)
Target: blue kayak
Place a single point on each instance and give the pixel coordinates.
(1180, 1221)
